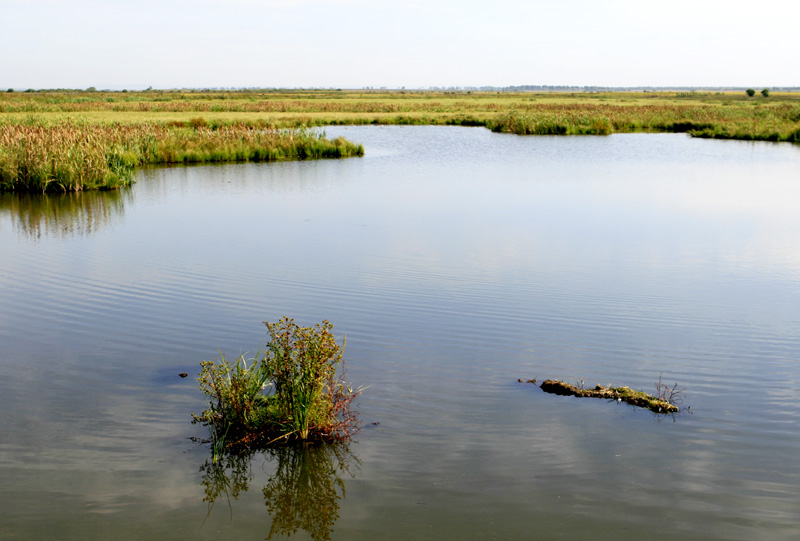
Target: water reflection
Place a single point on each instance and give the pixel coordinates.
(63, 215)
(302, 493)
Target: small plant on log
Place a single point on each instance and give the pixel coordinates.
(671, 395)
(667, 400)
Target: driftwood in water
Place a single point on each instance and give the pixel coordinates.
(623, 394)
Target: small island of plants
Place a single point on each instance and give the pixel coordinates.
(295, 391)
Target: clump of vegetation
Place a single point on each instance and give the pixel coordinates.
(35, 157)
(294, 391)
(565, 122)
(667, 399)
(39, 157)
(751, 92)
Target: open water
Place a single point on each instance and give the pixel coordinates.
(455, 261)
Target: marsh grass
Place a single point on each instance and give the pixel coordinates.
(708, 121)
(71, 141)
(237, 406)
(566, 122)
(36, 156)
(294, 391)
(706, 114)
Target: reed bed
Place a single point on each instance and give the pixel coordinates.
(69, 141)
(780, 123)
(67, 157)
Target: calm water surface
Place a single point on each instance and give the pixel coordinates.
(456, 261)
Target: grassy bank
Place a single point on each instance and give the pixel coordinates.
(773, 123)
(67, 140)
(732, 115)
(39, 156)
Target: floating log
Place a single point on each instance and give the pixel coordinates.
(622, 394)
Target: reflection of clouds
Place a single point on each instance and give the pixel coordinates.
(563, 457)
(767, 195)
(400, 225)
(532, 227)
(162, 493)
(87, 455)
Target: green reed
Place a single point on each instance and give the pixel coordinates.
(36, 156)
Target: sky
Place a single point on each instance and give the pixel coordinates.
(131, 44)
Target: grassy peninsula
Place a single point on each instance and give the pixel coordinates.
(74, 140)
(68, 156)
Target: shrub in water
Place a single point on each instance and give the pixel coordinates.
(295, 390)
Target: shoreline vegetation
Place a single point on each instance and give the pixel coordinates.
(78, 140)
(71, 156)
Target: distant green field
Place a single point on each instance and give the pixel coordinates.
(721, 114)
(242, 115)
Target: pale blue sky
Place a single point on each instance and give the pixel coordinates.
(413, 43)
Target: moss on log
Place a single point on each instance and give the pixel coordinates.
(623, 394)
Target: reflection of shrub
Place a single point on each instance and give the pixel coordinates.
(305, 490)
(228, 475)
(303, 493)
(293, 391)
